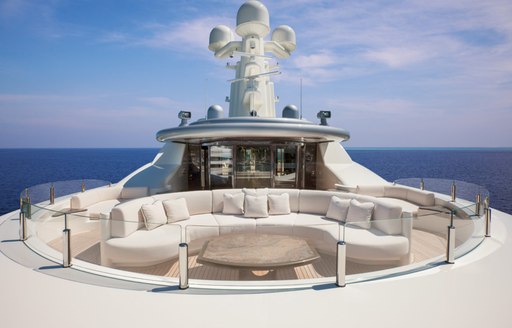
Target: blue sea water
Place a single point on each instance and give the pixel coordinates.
(21, 168)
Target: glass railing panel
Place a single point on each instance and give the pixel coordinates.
(250, 251)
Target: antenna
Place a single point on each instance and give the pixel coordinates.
(301, 98)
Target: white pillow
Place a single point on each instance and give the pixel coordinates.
(256, 206)
(154, 215)
(338, 209)
(279, 204)
(233, 203)
(176, 210)
(360, 214)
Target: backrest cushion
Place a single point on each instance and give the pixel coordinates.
(421, 197)
(255, 192)
(218, 198)
(127, 217)
(396, 192)
(154, 215)
(338, 209)
(198, 202)
(134, 192)
(93, 196)
(314, 201)
(279, 204)
(176, 210)
(387, 218)
(371, 190)
(359, 214)
(233, 203)
(256, 206)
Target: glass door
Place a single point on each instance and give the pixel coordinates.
(221, 167)
(253, 166)
(285, 166)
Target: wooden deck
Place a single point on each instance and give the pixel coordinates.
(85, 247)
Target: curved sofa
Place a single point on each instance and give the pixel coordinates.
(125, 241)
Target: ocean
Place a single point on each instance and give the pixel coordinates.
(490, 168)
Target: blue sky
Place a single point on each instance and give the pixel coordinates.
(81, 73)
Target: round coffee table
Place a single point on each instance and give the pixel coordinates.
(253, 252)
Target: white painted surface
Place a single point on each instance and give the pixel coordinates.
(474, 292)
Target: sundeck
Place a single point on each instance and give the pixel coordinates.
(283, 187)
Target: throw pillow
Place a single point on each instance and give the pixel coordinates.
(233, 203)
(154, 215)
(256, 206)
(338, 209)
(279, 204)
(176, 210)
(360, 214)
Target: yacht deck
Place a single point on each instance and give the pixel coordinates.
(86, 247)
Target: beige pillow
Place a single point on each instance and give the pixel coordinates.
(256, 206)
(338, 209)
(176, 210)
(233, 203)
(154, 215)
(279, 204)
(359, 214)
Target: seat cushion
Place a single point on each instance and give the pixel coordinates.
(234, 223)
(199, 227)
(277, 224)
(143, 247)
(373, 244)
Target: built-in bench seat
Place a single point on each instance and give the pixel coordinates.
(409, 199)
(127, 242)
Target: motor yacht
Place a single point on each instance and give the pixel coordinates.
(256, 217)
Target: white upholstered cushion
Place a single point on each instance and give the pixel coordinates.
(134, 192)
(359, 214)
(279, 204)
(388, 218)
(255, 192)
(256, 206)
(154, 215)
(233, 203)
(176, 210)
(338, 209)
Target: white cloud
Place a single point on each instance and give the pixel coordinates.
(187, 36)
(396, 57)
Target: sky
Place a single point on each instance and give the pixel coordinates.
(80, 73)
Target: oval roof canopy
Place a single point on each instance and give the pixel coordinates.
(252, 128)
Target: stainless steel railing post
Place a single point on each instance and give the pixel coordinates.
(52, 195)
(66, 244)
(450, 247)
(341, 252)
(488, 222)
(83, 185)
(183, 260)
(23, 226)
(454, 191)
(487, 210)
(478, 201)
(422, 184)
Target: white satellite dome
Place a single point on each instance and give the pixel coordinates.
(285, 36)
(219, 37)
(252, 18)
